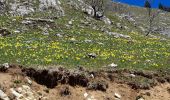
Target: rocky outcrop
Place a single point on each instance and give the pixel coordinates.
(81, 5)
(21, 8)
(2, 6)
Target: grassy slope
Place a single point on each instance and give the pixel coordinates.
(31, 48)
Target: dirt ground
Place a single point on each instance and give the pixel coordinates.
(14, 78)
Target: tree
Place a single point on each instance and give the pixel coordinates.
(148, 4)
(151, 15)
(161, 6)
(164, 8)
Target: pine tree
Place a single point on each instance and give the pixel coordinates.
(147, 4)
(161, 6)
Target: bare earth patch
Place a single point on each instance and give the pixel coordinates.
(80, 85)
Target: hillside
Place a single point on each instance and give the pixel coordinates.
(55, 40)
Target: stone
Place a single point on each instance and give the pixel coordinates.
(132, 75)
(88, 41)
(73, 39)
(100, 43)
(17, 31)
(118, 35)
(18, 8)
(31, 20)
(117, 95)
(19, 90)
(25, 87)
(88, 9)
(86, 94)
(27, 22)
(92, 76)
(70, 23)
(141, 99)
(45, 32)
(118, 25)
(92, 55)
(29, 81)
(59, 35)
(16, 94)
(106, 20)
(3, 96)
(112, 65)
(6, 65)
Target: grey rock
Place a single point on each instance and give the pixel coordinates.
(45, 31)
(22, 8)
(118, 25)
(81, 5)
(106, 20)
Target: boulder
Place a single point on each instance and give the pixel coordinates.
(106, 20)
(3, 96)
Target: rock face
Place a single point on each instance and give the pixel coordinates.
(21, 8)
(81, 5)
(2, 6)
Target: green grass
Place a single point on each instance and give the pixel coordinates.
(31, 48)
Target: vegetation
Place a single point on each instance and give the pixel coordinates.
(71, 49)
(162, 7)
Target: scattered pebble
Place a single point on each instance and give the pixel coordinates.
(29, 81)
(92, 76)
(117, 95)
(85, 95)
(113, 65)
(16, 94)
(70, 23)
(132, 75)
(16, 31)
(59, 35)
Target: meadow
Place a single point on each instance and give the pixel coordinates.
(69, 47)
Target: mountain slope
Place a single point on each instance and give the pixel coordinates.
(76, 39)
